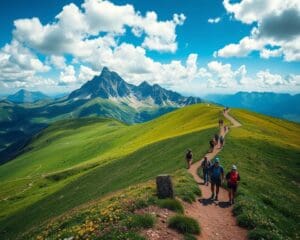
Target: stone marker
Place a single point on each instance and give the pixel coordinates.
(164, 186)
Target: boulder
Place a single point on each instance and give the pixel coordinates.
(164, 186)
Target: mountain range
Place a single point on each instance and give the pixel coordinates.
(24, 96)
(109, 85)
(273, 104)
(106, 95)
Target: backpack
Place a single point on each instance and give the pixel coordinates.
(189, 155)
(233, 177)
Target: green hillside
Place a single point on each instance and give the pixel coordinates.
(76, 161)
(267, 153)
(19, 122)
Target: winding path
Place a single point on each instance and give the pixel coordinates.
(215, 217)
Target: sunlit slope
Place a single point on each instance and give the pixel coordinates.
(68, 143)
(88, 158)
(267, 153)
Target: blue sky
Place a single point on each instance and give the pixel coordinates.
(239, 51)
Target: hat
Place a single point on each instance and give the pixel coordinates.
(234, 167)
(217, 160)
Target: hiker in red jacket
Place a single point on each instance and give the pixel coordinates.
(233, 178)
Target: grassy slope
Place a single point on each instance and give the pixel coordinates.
(140, 151)
(108, 212)
(267, 152)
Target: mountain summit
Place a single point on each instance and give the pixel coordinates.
(109, 85)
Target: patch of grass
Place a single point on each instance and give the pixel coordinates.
(184, 224)
(259, 234)
(141, 203)
(189, 237)
(121, 235)
(187, 189)
(171, 204)
(140, 221)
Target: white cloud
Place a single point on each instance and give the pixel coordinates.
(267, 53)
(161, 36)
(277, 26)
(90, 35)
(251, 11)
(214, 20)
(242, 49)
(266, 79)
(86, 73)
(18, 63)
(218, 77)
(70, 31)
(58, 61)
(125, 57)
(68, 76)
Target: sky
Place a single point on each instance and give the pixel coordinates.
(193, 47)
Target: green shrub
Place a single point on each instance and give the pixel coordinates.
(186, 187)
(246, 221)
(189, 237)
(171, 204)
(140, 203)
(140, 221)
(184, 224)
(262, 234)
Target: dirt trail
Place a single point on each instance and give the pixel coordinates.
(215, 217)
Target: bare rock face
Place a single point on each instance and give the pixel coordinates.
(164, 186)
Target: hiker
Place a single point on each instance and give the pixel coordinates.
(189, 157)
(216, 138)
(211, 145)
(225, 128)
(233, 178)
(221, 122)
(205, 167)
(216, 178)
(221, 141)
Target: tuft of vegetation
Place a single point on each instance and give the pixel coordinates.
(189, 237)
(140, 221)
(184, 224)
(187, 189)
(171, 204)
(259, 234)
(121, 235)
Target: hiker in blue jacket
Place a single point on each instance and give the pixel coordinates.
(216, 177)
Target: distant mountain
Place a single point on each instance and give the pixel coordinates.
(24, 96)
(274, 104)
(109, 85)
(106, 95)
